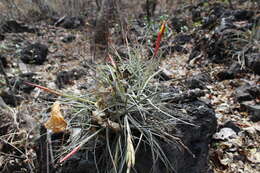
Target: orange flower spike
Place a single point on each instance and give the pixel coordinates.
(159, 37)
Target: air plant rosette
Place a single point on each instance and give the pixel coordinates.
(125, 114)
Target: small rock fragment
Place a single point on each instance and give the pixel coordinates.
(231, 73)
(178, 24)
(253, 62)
(3, 61)
(253, 156)
(241, 15)
(70, 22)
(198, 81)
(12, 26)
(182, 39)
(10, 99)
(68, 39)
(232, 125)
(163, 76)
(225, 134)
(253, 109)
(67, 77)
(196, 15)
(209, 22)
(19, 85)
(247, 92)
(34, 54)
(2, 37)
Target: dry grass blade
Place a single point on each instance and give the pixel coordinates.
(60, 94)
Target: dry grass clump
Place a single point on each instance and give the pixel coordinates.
(35, 9)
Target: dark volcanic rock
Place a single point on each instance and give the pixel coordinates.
(34, 54)
(63, 78)
(167, 50)
(232, 125)
(67, 77)
(178, 23)
(218, 9)
(79, 163)
(231, 73)
(11, 26)
(180, 49)
(182, 39)
(68, 39)
(196, 15)
(2, 37)
(162, 76)
(70, 22)
(198, 81)
(242, 94)
(11, 99)
(253, 109)
(225, 23)
(253, 62)
(209, 22)
(215, 47)
(19, 85)
(3, 61)
(247, 92)
(219, 47)
(197, 138)
(241, 15)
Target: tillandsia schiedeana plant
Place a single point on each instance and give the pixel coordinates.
(124, 115)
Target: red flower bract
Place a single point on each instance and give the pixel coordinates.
(159, 37)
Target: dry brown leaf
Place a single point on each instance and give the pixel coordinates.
(56, 123)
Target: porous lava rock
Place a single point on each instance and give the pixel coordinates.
(19, 85)
(3, 61)
(12, 26)
(2, 37)
(253, 62)
(193, 159)
(67, 77)
(68, 39)
(10, 99)
(231, 73)
(253, 109)
(70, 22)
(247, 92)
(198, 81)
(34, 54)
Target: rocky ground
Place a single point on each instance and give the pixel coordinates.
(211, 46)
